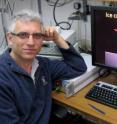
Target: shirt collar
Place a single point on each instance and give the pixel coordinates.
(35, 65)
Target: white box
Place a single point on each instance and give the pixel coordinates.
(72, 86)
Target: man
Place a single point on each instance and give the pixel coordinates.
(26, 80)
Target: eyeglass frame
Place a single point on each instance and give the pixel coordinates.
(36, 36)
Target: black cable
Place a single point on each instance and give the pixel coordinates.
(39, 6)
(13, 6)
(63, 22)
(51, 3)
(9, 6)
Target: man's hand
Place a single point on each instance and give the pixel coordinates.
(52, 35)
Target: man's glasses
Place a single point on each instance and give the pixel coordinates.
(26, 35)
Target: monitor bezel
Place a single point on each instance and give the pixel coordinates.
(93, 43)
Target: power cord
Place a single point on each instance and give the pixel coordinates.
(51, 3)
(62, 22)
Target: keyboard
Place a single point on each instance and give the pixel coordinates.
(104, 93)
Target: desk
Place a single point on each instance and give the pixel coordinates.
(79, 103)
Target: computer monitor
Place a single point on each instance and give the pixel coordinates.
(104, 36)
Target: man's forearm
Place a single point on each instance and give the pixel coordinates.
(62, 43)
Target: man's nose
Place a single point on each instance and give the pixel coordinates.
(31, 40)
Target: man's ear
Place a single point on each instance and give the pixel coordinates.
(9, 39)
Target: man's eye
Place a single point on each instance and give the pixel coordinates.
(37, 35)
(23, 35)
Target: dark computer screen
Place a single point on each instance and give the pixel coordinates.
(104, 36)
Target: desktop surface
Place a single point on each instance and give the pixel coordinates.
(80, 104)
